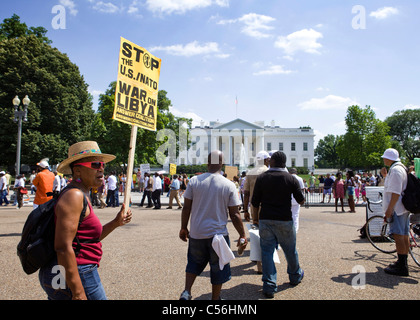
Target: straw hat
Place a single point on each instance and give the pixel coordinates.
(82, 150)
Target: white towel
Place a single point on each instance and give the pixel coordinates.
(255, 251)
(222, 249)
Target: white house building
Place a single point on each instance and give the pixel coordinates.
(240, 141)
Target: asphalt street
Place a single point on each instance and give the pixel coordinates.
(146, 260)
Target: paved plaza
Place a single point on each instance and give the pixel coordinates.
(146, 260)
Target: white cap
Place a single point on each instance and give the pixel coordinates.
(262, 155)
(43, 163)
(391, 154)
(2, 172)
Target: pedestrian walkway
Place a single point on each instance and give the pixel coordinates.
(146, 260)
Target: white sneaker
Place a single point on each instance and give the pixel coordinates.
(185, 295)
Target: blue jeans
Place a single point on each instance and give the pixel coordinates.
(4, 197)
(90, 280)
(272, 233)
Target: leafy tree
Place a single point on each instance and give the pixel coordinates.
(12, 28)
(365, 140)
(326, 152)
(405, 130)
(60, 112)
(114, 136)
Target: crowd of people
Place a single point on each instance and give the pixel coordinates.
(269, 195)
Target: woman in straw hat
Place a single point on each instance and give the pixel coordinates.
(86, 164)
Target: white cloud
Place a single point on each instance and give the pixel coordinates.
(303, 40)
(181, 6)
(196, 119)
(411, 107)
(105, 7)
(330, 102)
(384, 13)
(70, 5)
(255, 25)
(192, 49)
(276, 69)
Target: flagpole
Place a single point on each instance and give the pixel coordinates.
(236, 102)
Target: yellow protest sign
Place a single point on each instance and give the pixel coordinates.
(172, 169)
(136, 94)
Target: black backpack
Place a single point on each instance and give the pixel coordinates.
(411, 196)
(36, 247)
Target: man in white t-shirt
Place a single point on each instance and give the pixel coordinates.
(112, 189)
(395, 184)
(157, 189)
(295, 205)
(56, 183)
(207, 200)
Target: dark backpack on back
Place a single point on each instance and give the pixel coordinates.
(36, 247)
(411, 196)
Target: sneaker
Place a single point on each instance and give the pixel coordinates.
(300, 280)
(268, 295)
(397, 269)
(185, 295)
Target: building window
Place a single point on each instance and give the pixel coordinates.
(293, 162)
(305, 146)
(293, 146)
(268, 146)
(305, 162)
(281, 146)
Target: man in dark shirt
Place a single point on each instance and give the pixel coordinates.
(273, 190)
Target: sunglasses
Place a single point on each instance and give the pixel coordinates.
(96, 165)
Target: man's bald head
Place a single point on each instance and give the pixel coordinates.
(215, 161)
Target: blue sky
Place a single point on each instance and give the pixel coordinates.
(298, 63)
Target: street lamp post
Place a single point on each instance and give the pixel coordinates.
(19, 116)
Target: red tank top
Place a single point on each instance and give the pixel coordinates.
(89, 229)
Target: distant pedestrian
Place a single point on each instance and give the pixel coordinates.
(174, 192)
(56, 184)
(273, 191)
(3, 189)
(19, 188)
(43, 182)
(295, 204)
(157, 190)
(350, 189)
(339, 191)
(328, 183)
(207, 200)
(148, 182)
(112, 192)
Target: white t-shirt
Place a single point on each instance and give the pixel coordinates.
(112, 182)
(20, 183)
(3, 183)
(302, 186)
(395, 182)
(157, 183)
(211, 195)
(57, 183)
